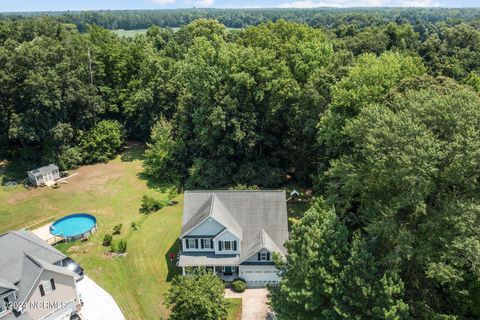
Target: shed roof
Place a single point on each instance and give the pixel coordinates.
(44, 169)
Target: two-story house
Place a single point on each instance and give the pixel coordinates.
(34, 284)
(234, 233)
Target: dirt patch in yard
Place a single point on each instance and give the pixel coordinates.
(86, 178)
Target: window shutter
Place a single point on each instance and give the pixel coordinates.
(187, 244)
(259, 256)
(201, 243)
(52, 282)
(42, 292)
(268, 256)
(196, 243)
(220, 245)
(211, 243)
(234, 245)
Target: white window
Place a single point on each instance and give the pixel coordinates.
(192, 243)
(228, 245)
(264, 256)
(206, 244)
(47, 287)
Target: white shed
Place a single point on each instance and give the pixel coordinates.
(44, 175)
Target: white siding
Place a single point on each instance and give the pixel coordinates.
(65, 292)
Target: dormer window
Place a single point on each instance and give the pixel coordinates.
(264, 256)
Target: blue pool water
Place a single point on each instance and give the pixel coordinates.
(73, 225)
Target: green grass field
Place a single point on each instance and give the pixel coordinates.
(134, 32)
(234, 308)
(112, 192)
(129, 33)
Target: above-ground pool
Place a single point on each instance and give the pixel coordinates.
(74, 226)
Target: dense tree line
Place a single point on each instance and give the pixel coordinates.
(381, 119)
(343, 18)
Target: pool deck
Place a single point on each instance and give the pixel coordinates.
(44, 233)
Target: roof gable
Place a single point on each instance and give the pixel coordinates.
(215, 209)
(220, 213)
(261, 241)
(31, 270)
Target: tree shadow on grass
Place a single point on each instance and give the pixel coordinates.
(173, 270)
(133, 151)
(14, 171)
(156, 184)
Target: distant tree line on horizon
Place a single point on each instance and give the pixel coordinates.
(421, 18)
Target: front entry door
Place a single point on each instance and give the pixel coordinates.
(227, 270)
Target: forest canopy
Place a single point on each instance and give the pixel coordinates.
(377, 110)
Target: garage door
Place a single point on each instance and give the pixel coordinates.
(259, 276)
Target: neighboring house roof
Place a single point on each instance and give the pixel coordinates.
(14, 245)
(31, 270)
(17, 316)
(259, 216)
(6, 286)
(44, 169)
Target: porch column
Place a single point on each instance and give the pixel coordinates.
(183, 271)
(214, 270)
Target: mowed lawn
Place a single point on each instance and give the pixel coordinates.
(112, 192)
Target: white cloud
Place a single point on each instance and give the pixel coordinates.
(334, 3)
(359, 3)
(200, 3)
(204, 3)
(162, 2)
(419, 3)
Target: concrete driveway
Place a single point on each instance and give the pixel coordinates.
(98, 304)
(254, 303)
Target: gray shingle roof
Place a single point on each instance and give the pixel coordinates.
(261, 216)
(13, 246)
(44, 169)
(262, 240)
(31, 270)
(6, 286)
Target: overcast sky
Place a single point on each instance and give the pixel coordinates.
(63, 5)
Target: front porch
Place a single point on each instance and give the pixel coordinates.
(226, 273)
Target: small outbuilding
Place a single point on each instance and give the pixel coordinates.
(44, 176)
